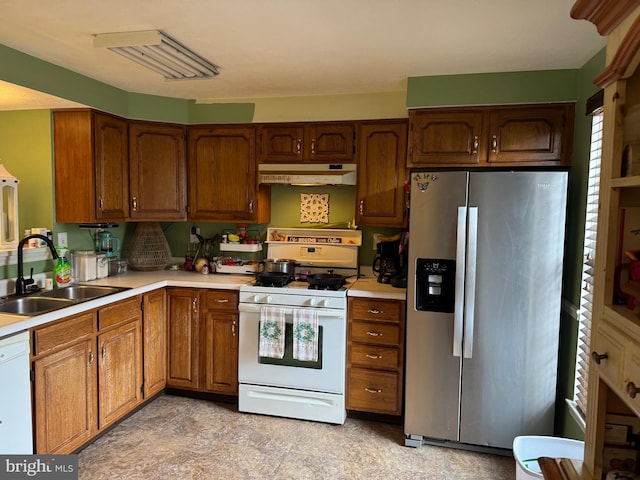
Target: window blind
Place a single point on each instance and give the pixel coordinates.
(586, 298)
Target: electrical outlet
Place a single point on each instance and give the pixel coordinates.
(62, 239)
(192, 236)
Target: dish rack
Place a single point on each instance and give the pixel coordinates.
(245, 267)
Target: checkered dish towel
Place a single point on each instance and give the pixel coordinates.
(271, 332)
(305, 335)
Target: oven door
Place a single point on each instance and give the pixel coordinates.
(325, 375)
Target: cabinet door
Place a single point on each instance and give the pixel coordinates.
(280, 143)
(446, 138)
(119, 371)
(154, 342)
(532, 135)
(90, 163)
(157, 170)
(182, 311)
(221, 352)
(222, 174)
(381, 174)
(334, 142)
(111, 167)
(65, 398)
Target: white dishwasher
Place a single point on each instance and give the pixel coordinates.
(15, 400)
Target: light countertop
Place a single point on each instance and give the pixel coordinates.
(142, 282)
(369, 287)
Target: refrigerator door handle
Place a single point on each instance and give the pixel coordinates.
(458, 311)
(470, 291)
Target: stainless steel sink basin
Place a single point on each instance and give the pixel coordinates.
(81, 292)
(33, 305)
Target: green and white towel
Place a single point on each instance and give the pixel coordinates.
(305, 335)
(271, 332)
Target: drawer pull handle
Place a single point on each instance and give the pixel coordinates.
(374, 357)
(222, 300)
(91, 357)
(599, 357)
(374, 334)
(375, 312)
(632, 390)
(372, 390)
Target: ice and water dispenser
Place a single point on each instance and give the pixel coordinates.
(435, 284)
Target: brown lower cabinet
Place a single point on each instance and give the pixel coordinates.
(203, 340)
(375, 352)
(88, 371)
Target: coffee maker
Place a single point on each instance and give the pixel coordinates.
(387, 262)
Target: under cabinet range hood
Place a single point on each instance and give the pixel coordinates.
(307, 173)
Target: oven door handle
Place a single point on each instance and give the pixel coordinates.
(322, 312)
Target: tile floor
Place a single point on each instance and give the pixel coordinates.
(184, 438)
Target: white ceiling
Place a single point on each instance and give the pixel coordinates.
(302, 47)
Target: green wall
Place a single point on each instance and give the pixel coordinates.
(26, 152)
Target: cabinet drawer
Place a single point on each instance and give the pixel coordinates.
(382, 310)
(377, 333)
(222, 299)
(371, 356)
(373, 391)
(64, 332)
(610, 343)
(120, 312)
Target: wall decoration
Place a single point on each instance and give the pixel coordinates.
(314, 208)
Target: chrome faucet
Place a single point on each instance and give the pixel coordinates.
(21, 283)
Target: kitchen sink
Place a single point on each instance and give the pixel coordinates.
(33, 305)
(50, 300)
(81, 292)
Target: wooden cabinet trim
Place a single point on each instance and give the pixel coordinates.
(606, 15)
(625, 60)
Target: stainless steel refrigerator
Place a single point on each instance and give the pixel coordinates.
(483, 306)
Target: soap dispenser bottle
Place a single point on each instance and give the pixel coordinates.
(62, 271)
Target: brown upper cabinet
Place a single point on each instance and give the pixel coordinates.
(157, 169)
(318, 142)
(514, 135)
(380, 199)
(222, 175)
(110, 169)
(91, 154)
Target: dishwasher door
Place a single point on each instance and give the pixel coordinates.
(16, 435)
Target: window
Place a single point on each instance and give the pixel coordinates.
(590, 228)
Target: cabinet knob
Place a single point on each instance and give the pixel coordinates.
(599, 357)
(632, 390)
(475, 144)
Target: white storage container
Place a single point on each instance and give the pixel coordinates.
(527, 449)
(84, 265)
